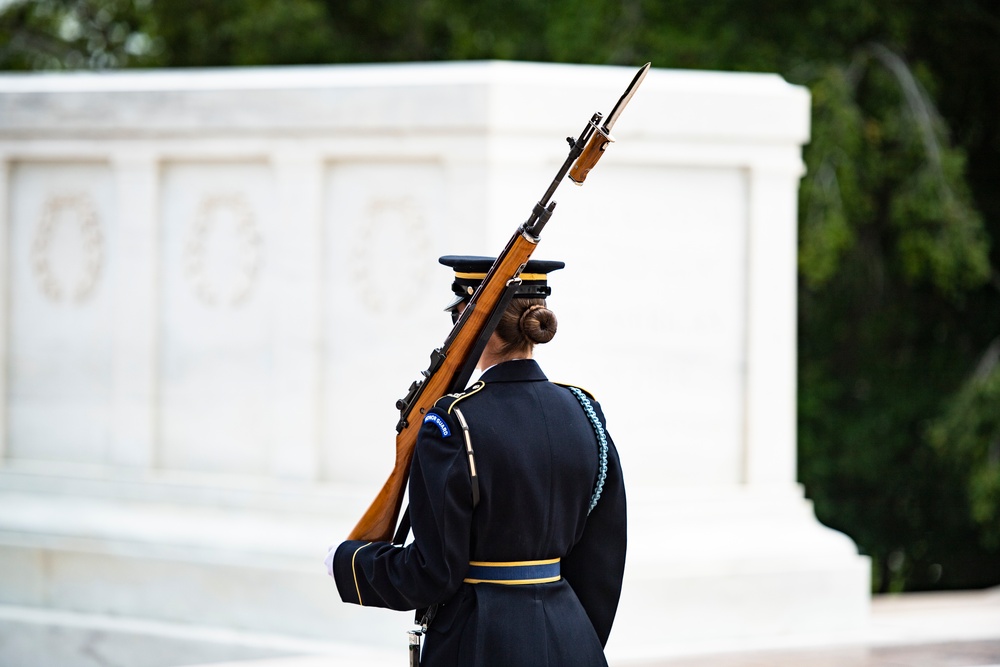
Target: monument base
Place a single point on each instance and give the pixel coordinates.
(708, 569)
(713, 570)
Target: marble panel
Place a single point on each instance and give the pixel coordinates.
(383, 304)
(218, 226)
(60, 274)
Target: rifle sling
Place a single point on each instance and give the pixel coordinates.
(461, 379)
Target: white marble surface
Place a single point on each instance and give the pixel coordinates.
(220, 281)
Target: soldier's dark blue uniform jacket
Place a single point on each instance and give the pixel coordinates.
(536, 455)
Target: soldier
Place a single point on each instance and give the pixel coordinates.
(517, 506)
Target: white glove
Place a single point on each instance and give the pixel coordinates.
(328, 561)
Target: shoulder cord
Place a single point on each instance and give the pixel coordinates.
(602, 445)
(472, 459)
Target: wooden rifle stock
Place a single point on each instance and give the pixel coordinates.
(452, 364)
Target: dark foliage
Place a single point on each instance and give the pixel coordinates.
(899, 322)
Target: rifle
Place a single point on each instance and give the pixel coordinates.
(452, 364)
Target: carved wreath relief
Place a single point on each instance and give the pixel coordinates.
(393, 240)
(223, 253)
(67, 253)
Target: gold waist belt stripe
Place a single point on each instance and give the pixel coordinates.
(514, 573)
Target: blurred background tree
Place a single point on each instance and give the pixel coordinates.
(899, 300)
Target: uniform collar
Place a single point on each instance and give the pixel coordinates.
(517, 370)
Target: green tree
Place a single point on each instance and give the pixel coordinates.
(969, 432)
(195, 33)
(899, 301)
(75, 34)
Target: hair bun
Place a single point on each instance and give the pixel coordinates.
(538, 324)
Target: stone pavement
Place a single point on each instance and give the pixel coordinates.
(957, 629)
(950, 654)
(960, 629)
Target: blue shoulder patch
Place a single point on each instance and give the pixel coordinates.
(439, 422)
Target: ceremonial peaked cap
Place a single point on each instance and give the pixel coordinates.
(471, 269)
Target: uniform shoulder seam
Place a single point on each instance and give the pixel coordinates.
(589, 393)
(449, 401)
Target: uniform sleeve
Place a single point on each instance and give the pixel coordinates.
(595, 566)
(431, 568)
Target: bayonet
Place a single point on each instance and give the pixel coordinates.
(601, 136)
